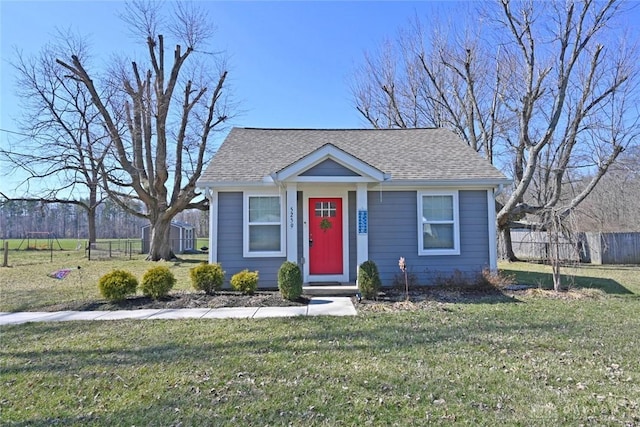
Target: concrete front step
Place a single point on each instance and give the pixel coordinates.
(330, 290)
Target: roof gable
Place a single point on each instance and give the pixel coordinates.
(359, 170)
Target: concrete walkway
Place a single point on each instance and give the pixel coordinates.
(318, 306)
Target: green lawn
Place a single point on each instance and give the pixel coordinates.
(25, 285)
(612, 279)
(533, 360)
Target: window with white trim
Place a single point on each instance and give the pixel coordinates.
(263, 229)
(438, 224)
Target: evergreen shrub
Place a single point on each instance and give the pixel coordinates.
(369, 280)
(207, 277)
(245, 281)
(157, 282)
(117, 285)
(290, 281)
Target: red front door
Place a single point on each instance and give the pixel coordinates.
(325, 236)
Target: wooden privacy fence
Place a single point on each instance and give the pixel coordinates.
(613, 248)
(595, 248)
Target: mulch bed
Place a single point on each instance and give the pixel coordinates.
(395, 299)
(390, 299)
(184, 300)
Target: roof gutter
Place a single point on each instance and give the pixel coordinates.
(271, 180)
(481, 183)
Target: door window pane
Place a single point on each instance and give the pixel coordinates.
(325, 209)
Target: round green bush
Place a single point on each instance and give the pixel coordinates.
(290, 281)
(116, 285)
(368, 280)
(207, 277)
(246, 281)
(157, 282)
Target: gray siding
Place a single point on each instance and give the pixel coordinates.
(392, 231)
(392, 234)
(393, 226)
(329, 168)
(230, 244)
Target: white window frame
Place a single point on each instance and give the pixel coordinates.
(456, 224)
(245, 226)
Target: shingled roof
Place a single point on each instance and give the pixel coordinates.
(431, 155)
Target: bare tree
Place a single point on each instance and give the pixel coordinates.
(437, 79)
(575, 108)
(62, 144)
(614, 204)
(170, 107)
(550, 90)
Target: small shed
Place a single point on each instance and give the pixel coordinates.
(182, 235)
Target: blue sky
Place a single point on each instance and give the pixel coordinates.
(289, 62)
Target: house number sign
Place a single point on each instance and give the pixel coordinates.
(291, 217)
(363, 225)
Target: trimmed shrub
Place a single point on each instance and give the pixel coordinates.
(290, 281)
(246, 281)
(369, 280)
(116, 285)
(157, 282)
(207, 277)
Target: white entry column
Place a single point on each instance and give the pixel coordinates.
(362, 224)
(212, 195)
(292, 222)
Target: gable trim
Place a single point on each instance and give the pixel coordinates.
(366, 172)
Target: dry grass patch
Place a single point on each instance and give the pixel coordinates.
(570, 294)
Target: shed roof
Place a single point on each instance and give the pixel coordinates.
(435, 155)
(174, 223)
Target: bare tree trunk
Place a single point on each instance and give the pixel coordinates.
(553, 234)
(160, 240)
(91, 212)
(507, 245)
(91, 221)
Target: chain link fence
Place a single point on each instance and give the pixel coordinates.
(119, 248)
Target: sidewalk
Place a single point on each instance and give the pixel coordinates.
(318, 306)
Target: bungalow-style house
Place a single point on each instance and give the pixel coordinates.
(182, 235)
(330, 199)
